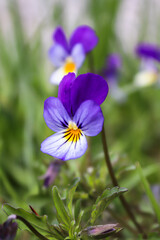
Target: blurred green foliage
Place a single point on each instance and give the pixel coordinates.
(132, 127)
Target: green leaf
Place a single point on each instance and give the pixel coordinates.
(57, 231)
(110, 194)
(148, 191)
(77, 209)
(60, 208)
(104, 200)
(38, 222)
(70, 194)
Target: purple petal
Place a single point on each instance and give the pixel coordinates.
(55, 115)
(65, 91)
(86, 36)
(113, 65)
(88, 86)
(60, 147)
(73, 91)
(57, 55)
(8, 229)
(60, 38)
(147, 50)
(52, 172)
(89, 118)
(78, 55)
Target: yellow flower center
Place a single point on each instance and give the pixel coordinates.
(72, 133)
(69, 66)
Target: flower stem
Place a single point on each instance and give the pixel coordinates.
(115, 183)
(40, 236)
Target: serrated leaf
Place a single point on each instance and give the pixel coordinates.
(104, 200)
(70, 194)
(63, 216)
(110, 194)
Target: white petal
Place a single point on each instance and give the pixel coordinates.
(59, 147)
(57, 76)
(145, 78)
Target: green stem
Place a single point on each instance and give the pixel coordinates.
(109, 165)
(31, 228)
(115, 183)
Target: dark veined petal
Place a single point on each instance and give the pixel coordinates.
(55, 115)
(86, 36)
(57, 55)
(89, 118)
(60, 38)
(148, 50)
(65, 147)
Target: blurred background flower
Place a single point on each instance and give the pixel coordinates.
(150, 58)
(111, 73)
(69, 55)
(52, 172)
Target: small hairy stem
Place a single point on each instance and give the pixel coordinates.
(115, 183)
(40, 236)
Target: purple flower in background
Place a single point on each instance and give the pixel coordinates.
(74, 114)
(148, 51)
(113, 65)
(68, 56)
(8, 229)
(52, 172)
(111, 73)
(149, 55)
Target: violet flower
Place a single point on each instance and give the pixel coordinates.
(52, 172)
(113, 65)
(149, 55)
(8, 229)
(74, 114)
(111, 73)
(68, 56)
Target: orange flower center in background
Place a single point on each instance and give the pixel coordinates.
(72, 133)
(69, 66)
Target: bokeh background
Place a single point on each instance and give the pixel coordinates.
(132, 127)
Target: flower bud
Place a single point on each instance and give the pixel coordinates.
(52, 172)
(8, 229)
(101, 231)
